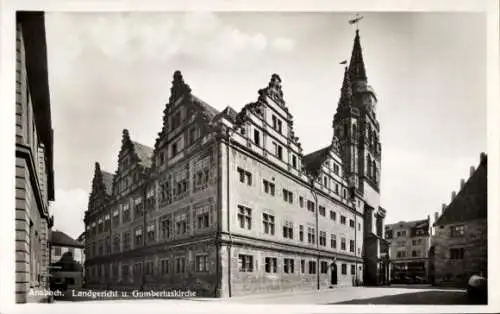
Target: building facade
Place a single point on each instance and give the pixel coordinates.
(409, 244)
(227, 203)
(66, 259)
(34, 161)
(460, 241)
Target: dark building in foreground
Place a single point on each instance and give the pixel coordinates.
(34, 161)
(460, 242)
(227, 203)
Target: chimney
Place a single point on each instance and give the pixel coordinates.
(443, 207)
(429, 217)
(482, 157)
(472, 170)
(462, 183)
(436, 216)
(453, 195)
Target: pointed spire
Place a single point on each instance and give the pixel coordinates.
(179, 87)
(125, 136)
(346, 91)
(357, 65)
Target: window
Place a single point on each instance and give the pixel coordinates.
(401, 254)
(256, 137)
(415, 253)
(413, 242)
(176, 120)
(312, 267)
(344, 269)
(325, 181)
(125, 272)
(301, 201)
(288, 266)
(388, 234)
(138, 270)
(336, 169)
(351, 223)
(280, 126)
(138, 207)
(351, 246)
(180, 265)
(245, 176)
(288, 230)
(192, 136)
(287, 196)
(202, 263)
(333, 241)
(116, 218)
(342, 244)
(268, 187)
(457, 253)
(126, 241)
(149, 268)
(245, 217)
(174, 149)
(138, 236)
(310, 206)
(294, 162)
(324, 267)
(165, 228)
(322, 238)
(322, 210)
(57, 251)
(302, 266)
(337, 189)
(181, 224)
(353, 269)
(301, 233)
(277, 124)
(280, 152)
(202, 217)
(116, 243)
(151, 232)
(245, 263)
(311, 237)
(271, 264)
(268, 221)
(457, 231)
(342, 219)
(333, 215)
(164, 266)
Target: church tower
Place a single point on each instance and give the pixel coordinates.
(356, 126)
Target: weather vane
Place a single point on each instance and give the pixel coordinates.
(355, 20)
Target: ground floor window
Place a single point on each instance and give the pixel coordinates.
(288, 265)
(312, 267)
(245, 263)
(344, 269)
(202, 263)
(324, 267)
(353, 269)
(271, 264)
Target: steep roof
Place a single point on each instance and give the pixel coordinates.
(62, 239)
(314, 160)
(471, 201)
(209, 109)
(107, 179)
(144, 153)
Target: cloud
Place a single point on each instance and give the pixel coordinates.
(68, 210)
(283, 44)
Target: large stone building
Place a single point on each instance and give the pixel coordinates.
(227, 203)
(409, 249)
(34, 162)
(460, 241)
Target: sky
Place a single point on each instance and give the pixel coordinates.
(110, 71)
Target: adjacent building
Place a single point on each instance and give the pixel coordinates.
(460, 241)
(66, 259)
(227, 203)
(34, 158)
(409, 244)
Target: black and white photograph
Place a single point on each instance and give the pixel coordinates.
(214, 156)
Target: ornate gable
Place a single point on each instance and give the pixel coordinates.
(101, 189)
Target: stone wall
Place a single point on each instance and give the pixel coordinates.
(456, 272)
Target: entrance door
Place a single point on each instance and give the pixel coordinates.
(333, 274)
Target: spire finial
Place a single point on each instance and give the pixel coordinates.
(179, 87)
(357, 65)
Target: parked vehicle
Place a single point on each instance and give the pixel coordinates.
(477, 289)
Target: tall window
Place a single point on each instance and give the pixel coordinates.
(180, 265)
(116, 243)
(344, 269)
(351, 223)
(116, 218)
(353, 269)
(457, 253)
(201, 174)
(288, 230)
(301, 201)
(164, 266)
(322, 238)
(271, 264)
(333, 241)
(312, 267)
(151, 232)
(333, 215)
(256, 137)
(294, 162)
(302, 266)
(287, 196)
(301, 233)
(268, 222)
(310, 206)
(245, 176)
(138, 236)
(324, 267)
(268, 187)
(245, 263)
(336, 168)
(351, 246)
(181, 224)
(245, 217)
(311, 237)
(322, 210)
(166, 226)
(126, 241)
(342, 244)
(202, 263)
(288, 266)
(342, 219)
(202, 217)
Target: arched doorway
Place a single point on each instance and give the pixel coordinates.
(333, 276)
